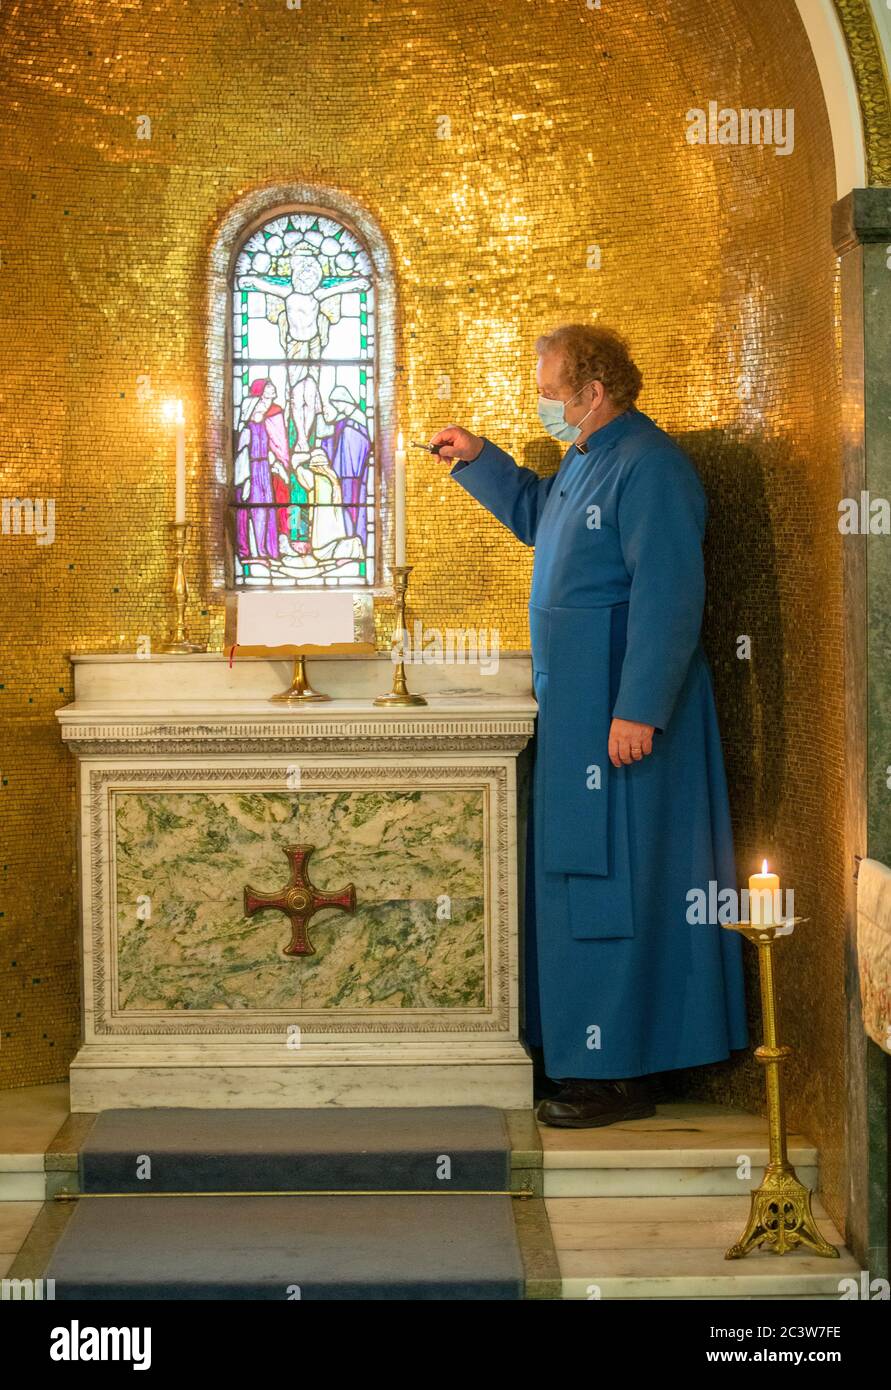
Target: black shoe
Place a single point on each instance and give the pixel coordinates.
(584, 1104)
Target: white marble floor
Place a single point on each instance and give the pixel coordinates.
(16, 1220)
(29, 1118)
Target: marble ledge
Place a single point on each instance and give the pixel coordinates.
(171, 703)
(447, 724)
(452, 707)
(211, 676)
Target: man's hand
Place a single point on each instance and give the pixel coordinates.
(456, 443)
(628, 742)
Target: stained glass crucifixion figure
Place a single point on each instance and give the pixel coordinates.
(303, 485)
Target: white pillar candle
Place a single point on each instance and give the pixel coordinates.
(173, 412)
(761, 898)
(399, 497)
(180, 465)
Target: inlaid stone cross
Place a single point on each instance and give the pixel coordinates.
(299, 900)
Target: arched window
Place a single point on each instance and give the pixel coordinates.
(304, 483)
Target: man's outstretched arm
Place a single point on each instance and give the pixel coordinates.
(512, 493)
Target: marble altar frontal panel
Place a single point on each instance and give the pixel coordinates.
(172, 850)
(416, 940)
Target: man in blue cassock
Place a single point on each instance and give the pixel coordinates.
(630, 812)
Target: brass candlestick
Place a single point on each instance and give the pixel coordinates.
(180, 641)
(400, 694)
(780, 1216)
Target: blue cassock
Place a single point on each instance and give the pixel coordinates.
(627, 985)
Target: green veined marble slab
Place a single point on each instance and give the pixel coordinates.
(191, 853)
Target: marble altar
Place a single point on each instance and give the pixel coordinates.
(191, 788)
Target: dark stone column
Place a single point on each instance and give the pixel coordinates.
(861, 224)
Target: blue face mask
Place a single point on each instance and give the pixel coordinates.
(552, 416)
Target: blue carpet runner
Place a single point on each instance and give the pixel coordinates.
(457, 1244)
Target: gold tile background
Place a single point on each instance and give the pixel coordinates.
(567, 131)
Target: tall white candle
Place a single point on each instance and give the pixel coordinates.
(399, 495)
(173, 412)
(180, 465)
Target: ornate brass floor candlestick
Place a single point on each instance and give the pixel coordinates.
(180, 642)
(299, 692)
(400, 694)
(780, 1216)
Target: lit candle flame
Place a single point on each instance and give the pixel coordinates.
(399, 443)
(172, 411)
(764, 866)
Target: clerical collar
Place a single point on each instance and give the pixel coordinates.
(606, 432)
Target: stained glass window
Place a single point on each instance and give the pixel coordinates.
(303, 396)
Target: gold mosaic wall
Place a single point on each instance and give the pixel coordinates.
(527, 164)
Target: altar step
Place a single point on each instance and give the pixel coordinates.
(646, 1210)
(319, 1204)
(688, 1148)
(673, 1247)
(382, 1247)
(637, 1211)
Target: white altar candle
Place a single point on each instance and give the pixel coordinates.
(399, 492)
(173, 411)
(762, 888)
